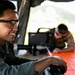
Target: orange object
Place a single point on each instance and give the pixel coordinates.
(48, 54)
(69, 57)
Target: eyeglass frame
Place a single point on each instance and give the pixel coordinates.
(12, 22)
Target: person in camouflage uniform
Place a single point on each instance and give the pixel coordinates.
(62, 39)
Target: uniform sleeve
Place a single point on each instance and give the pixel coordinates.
(23, 69)
(70, 40)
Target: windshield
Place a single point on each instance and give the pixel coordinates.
(50, 14)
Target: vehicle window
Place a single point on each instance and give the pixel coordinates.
(15, 2)
(49, 14)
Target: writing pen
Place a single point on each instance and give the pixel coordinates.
(48, 51)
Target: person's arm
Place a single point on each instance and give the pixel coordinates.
(42, 64)
(30, 68)
(22, 69)
(70, 44)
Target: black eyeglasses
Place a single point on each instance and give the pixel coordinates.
(12, 22)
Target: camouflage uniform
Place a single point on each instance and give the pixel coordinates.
(66, 41)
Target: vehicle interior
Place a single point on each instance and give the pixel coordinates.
(41, 15)
(37, 17)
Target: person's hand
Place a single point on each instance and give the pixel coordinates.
(56, 50)
(45, 62)
(56, 60)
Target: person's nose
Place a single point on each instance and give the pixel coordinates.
(15, 29)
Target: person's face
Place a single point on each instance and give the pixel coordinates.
(57, 34)
(8, 27)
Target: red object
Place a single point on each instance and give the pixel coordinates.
(69, 57)
(48, 54)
